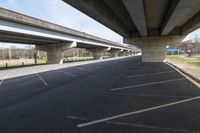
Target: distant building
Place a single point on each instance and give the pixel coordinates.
(174, 51)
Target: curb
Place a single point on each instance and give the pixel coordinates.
(184, 72)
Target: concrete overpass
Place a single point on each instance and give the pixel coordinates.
(148, 24)
(52, 38)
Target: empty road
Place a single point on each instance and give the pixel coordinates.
(119, 96)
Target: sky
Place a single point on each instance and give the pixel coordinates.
(58, 12)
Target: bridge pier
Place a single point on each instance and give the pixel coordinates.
(55, 56)
(153, 53)
(115, 52)
(154, 48)
(125, 53)
(55, 52)
(98, 53)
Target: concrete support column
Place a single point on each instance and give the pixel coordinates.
(153, 53)
(154, 48)
(129, 53)
(55, 52)
(115, 52)
(98, 53)
(125, 53)
(55, 56)
(132, 53)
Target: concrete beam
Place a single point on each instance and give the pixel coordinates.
(17, 38)
(178, 8)
(34, 35)
(26, 29)
(93, 8)
(137, 13)
(166, 40)
(18, 18)
(192, 24)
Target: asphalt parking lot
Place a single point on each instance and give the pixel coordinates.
(119, 96)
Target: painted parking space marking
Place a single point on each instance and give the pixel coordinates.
(135, 125)
(152, 127)
(146, 67)
(152, 68)
(73, 75)
(136, 112)
(4, 78)
(144, 95)
(184, 75)
(147, 84)
(157, 73)
(45, 83)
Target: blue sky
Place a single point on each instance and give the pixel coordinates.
(56, 11)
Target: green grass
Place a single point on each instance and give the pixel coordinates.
(176, 58)
(39, 61)
(3, 65)
(195, 63)
(74, 59)
(184, 59)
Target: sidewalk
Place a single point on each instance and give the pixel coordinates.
(189, 70)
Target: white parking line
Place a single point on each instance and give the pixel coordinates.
(186, 76)
(135, 125)
(144, 67)
(136, 112)
(4, 78)
(84, 69)
(152, 83)
(77, 118)
(145, 95)
(45, 83)
(152, 68)
(67, 73)
(152, 127)
(141, 75)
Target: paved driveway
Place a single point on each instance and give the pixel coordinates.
(118, 96)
